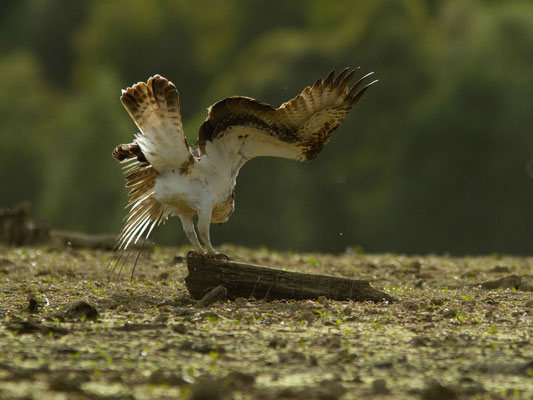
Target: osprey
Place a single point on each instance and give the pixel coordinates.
(167, 176)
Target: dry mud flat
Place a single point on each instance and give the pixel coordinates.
(66, 333)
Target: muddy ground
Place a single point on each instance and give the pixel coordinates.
(446, 337)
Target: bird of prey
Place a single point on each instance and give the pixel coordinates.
(168, 176)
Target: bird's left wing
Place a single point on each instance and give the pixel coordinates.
(154, 106)
(240, 128)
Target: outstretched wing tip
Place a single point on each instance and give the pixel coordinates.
(329, 78)
(355, 98)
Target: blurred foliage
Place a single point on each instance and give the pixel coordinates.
(437, 157)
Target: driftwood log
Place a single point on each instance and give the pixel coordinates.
(248, 280)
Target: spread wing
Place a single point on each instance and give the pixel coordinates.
(154, 106)
(155, 109)
(240, 128)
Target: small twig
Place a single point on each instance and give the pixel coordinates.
(218, 293)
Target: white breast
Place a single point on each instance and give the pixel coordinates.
(187, 193)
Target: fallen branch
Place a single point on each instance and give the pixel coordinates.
(79, 240)
(218, 293)
(247, 280)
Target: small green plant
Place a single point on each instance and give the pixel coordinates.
(376, 326)
(460, 317)
(313, 261)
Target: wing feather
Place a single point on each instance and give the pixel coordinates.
(298, 129)
(155, 108)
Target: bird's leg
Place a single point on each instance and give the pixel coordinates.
(188, 227)
(204, 223)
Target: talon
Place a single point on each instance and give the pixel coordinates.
(220, 256)
(195, 253)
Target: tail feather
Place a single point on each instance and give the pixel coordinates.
(145, 211)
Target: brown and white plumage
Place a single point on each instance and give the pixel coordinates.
(169, 177)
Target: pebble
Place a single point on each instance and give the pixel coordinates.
(208, 389)
(182, 312)
(180, 328)
(435, 391)
(415, 265)
(238, 379)
(410, 305)
(80, 309)
(178, 260)
(184, 299)
(203, 347)
(330, 390)
(384, 364)
(33, 304)
(163, 276)
(450, 313)
(379, 386)
(291, 357)
(419, 341)
(438, 301)
(240, 301)
(60, 383)
(162, 318)
(308, 317)
(277, 343)
(419, 283)
(164, 377)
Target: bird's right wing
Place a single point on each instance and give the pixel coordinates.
(154, 106)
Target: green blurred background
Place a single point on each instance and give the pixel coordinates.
(437, 157)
